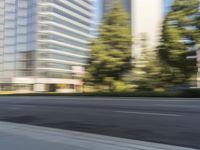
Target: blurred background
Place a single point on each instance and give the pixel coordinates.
(99, 45)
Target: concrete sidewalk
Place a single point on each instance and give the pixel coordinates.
(26, 137)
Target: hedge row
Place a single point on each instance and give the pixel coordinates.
(185, 93)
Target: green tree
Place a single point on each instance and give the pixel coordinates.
(111, 52)
(147, 69)
(198, 28)
(178, 38)
(140, 74)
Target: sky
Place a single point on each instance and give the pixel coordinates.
(167, 5)
(98, 10)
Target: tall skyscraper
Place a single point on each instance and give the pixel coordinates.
(44, 43)
(198, 66)
(146, 18)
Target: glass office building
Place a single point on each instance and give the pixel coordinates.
(44, 43)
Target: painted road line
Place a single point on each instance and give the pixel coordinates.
(146, 113)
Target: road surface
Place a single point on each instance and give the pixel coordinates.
(164, 120)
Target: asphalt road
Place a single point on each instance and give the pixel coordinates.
(168, 121)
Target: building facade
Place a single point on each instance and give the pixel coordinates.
(147, 17)
(44, 43)
(198, 67)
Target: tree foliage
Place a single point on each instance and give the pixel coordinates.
(197, 35)
(111, 51)
(179, 37)
(146, 71)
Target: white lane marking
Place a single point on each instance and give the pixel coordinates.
(146, 113)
